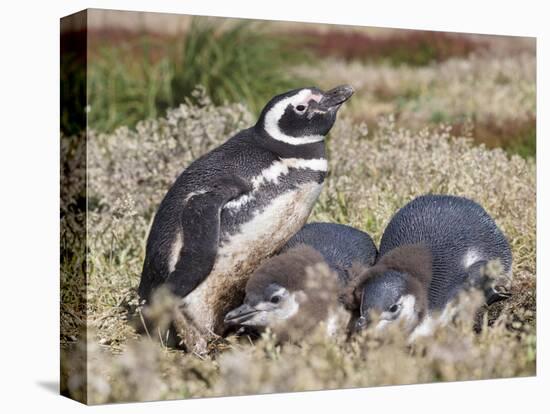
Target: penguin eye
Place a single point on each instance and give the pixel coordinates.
(394, 308)
(301, 108)
(275, 299)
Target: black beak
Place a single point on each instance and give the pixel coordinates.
(336, 97)
(239, 315)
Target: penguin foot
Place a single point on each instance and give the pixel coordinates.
(191, 338)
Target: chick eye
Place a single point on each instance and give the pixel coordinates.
(275, 299)
(394, 308)
(300, 108)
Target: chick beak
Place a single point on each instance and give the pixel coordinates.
(239, 315)
(334, 98)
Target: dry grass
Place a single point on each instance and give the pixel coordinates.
(370, 177)
(490, 94)
(480, 86)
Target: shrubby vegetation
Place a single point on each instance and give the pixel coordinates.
(371, 175)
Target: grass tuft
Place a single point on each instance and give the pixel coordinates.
(140, 78)
(236, 64)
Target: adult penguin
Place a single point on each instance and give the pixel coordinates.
(238, 204)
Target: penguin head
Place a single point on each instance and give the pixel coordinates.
(271, 304)
(395, 290)
(302, 116)
(278, 289)
(389, 297)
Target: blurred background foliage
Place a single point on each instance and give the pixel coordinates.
(141, 77)
(480, 85)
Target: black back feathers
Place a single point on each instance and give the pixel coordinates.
(459, 234)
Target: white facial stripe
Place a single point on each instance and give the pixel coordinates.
(470, 257)
(274, 172)
(269, 316)
(407, 314)
(271, 124)
(288, 309)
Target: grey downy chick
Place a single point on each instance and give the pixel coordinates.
(395, 289)
(291, 294)
(433, 248)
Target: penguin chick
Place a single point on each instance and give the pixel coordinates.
(342, 247)
(433, 248)
(292, 294)
(395, 288)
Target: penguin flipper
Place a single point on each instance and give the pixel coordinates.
(201, 233)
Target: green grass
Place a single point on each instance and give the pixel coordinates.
(240, 64)
(123, 90)
(72, 93)
(525, 142)
(129, 82)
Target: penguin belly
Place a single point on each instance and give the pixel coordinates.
(240, 253)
